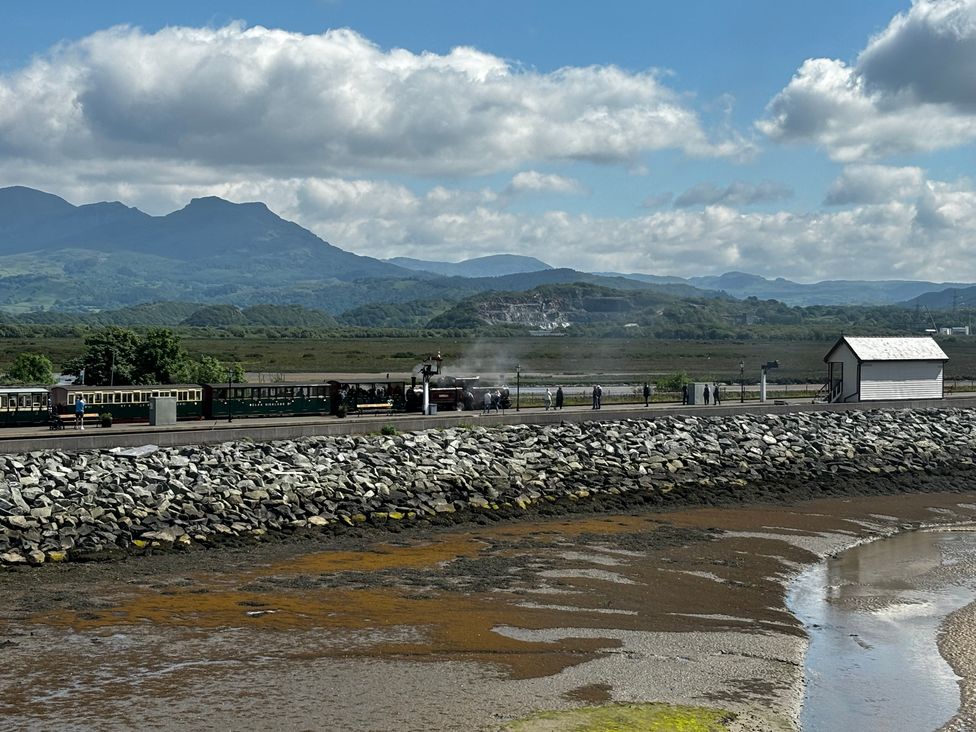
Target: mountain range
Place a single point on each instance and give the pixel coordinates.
(58, 256)
(829, 292)
(494, 265)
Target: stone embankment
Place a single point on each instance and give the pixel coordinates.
(57, 505)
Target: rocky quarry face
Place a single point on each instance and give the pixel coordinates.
(57, 505)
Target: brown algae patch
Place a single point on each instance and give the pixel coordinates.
(452, 592)
(627, 718)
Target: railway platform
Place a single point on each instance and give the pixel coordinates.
(26, 439)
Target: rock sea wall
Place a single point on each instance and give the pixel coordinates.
(58, 505)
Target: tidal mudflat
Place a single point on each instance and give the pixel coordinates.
(441, 629)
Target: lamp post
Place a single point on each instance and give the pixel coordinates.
(742, 383)
(230, 377)
(518, 387)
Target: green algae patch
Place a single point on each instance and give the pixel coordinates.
(627, 718)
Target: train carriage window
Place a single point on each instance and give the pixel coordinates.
(22, 401)
(127, 397)
(3, 402)
(37, 401)
(181, 396)
(263, 392)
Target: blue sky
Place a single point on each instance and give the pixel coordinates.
(805, 140)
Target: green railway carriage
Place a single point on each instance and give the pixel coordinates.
(129, 403)
(221, 401)
(23, 405)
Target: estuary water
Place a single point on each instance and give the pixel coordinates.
(874, 614)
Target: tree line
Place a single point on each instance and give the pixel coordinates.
(117, 356)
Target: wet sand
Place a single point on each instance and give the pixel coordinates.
(441, 629)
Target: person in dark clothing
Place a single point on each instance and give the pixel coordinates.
(647, 394)
(598, 396)
(715, 395)
(684, 393)
(559, 398)
(594, 397)
(705, 395)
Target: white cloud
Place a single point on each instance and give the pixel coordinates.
(928, 233)
(912, 89)
(531, 181)
(288, 104)
(860, 184)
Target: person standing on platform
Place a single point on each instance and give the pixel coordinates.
(559, 397)
(716, 399)
(79, 412)
(684, 393)
(647, 394)
(548, 400)
(705, 395)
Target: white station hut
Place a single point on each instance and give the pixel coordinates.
(873, 369)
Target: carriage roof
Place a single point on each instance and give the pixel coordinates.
(72, 388)
(264, 384)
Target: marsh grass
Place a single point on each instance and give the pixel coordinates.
(627, 718)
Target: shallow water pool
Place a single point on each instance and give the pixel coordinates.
(873, 614)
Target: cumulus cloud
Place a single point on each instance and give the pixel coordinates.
(912, 89)
(875, 184)
(291, 104)
(531, 181)
(928, 235)
(738, 193)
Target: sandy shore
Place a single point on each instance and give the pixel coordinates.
(957, 644)
(445, 629)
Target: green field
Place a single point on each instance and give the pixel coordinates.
(543, 360)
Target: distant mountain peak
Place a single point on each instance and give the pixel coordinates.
(492, 265)
(211, 203)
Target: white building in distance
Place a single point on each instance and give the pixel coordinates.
(874, 369)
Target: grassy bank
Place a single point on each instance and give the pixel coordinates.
(543, 360)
